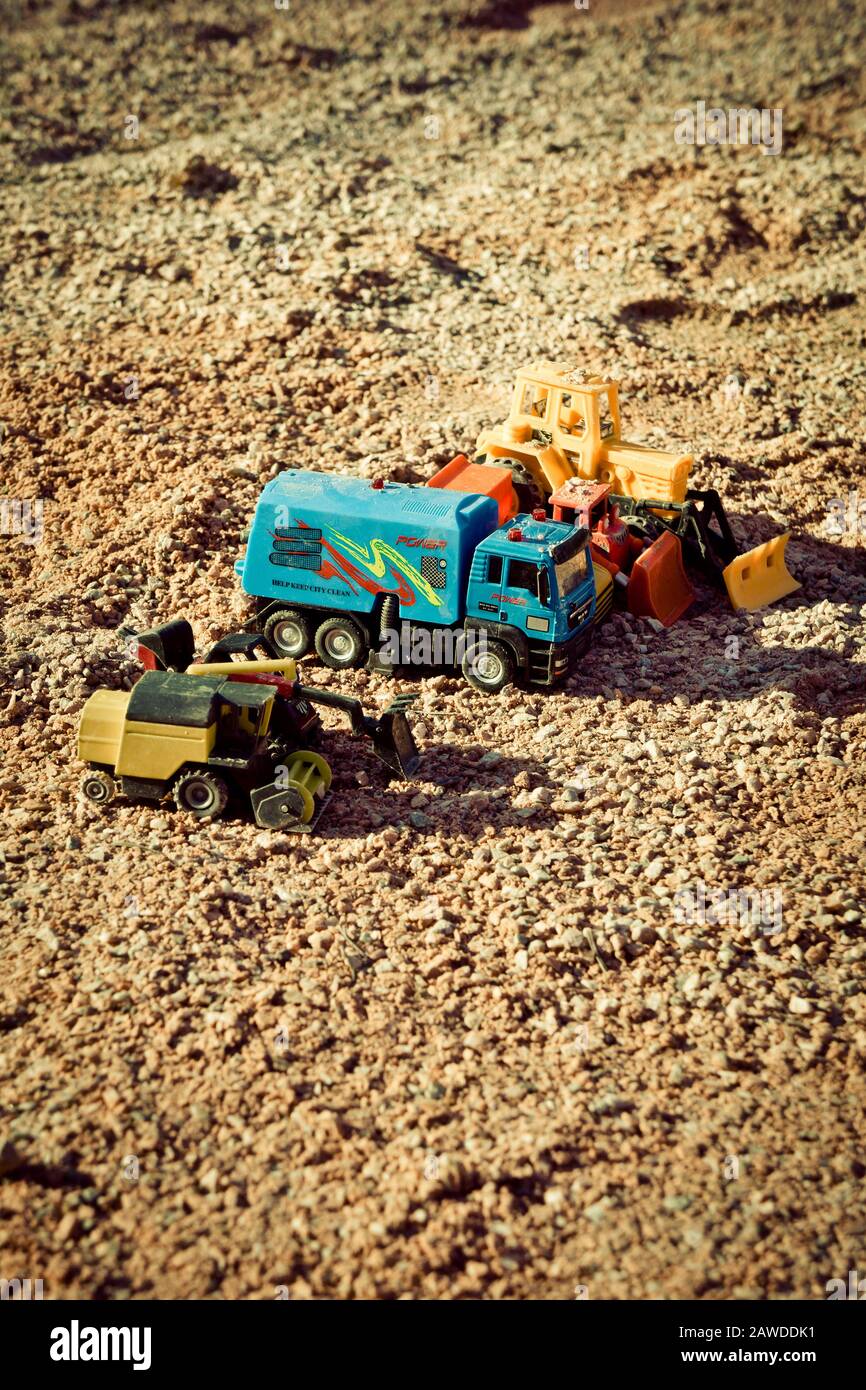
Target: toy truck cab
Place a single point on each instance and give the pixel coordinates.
(532, 596)
(557, 428)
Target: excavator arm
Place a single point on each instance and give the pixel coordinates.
(393, 742)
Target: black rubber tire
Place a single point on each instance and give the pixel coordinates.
(281, 624)
(341, 644)
(98, 786)
(201, 794)
(491, 670)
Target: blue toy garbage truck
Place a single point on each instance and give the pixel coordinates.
(343, 564)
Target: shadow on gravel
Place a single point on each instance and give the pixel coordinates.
(808, 557)
(500, 14)
(51, 1175)
(734, 664)
(815, 676)
(476, 786)
(806, 672)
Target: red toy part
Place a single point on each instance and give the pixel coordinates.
(580, 501)
(285, 688)
(658, 585)
(613, 536)
(602, 558)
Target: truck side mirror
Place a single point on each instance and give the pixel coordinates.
(543, 586)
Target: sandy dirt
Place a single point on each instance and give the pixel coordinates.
(460, 1043)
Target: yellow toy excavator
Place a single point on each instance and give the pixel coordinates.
(564, 424)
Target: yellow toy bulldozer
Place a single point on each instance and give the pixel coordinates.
(565, 424)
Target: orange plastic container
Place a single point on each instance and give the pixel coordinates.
(480, 478)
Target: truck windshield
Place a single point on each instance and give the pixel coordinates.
(571, 573)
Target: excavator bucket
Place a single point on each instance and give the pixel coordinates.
(394, 742)
(658, 586)
(391, 734)
(760, 577)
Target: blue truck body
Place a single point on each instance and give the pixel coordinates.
(322, 546)
(336, 542)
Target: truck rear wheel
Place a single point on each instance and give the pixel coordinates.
(490, 668)
(201, 794)
(341, 644)
(288, 631)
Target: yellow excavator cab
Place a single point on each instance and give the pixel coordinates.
(565, 423)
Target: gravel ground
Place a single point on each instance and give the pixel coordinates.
(465, 1042)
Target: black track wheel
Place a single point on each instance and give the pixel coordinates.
(526, 489)
(98, 786)
(341, 644)
(490, 667)
(200, 794)
(288, 632)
